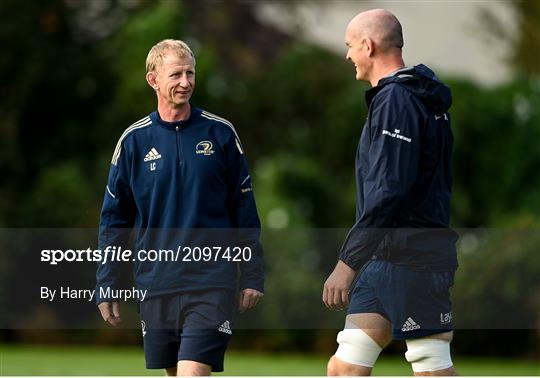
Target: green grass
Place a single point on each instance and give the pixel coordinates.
(83, 360)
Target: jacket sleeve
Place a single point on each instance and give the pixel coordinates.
(394, 132)
(244, 215)
(116, 222)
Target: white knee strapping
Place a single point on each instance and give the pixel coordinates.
(356, 347)
(428, 354)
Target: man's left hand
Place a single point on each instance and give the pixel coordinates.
(248, 299)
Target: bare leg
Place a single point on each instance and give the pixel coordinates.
(375, 326)
(451, 371)
(188, 368)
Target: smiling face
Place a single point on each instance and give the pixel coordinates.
(358, 53)
(173, 80)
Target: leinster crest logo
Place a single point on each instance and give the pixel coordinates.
(204, 147)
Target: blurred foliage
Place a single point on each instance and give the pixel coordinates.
(501, 267)
(524, 41)
(495, 154)
(73, 80)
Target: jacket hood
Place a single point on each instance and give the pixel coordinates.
(423, 83)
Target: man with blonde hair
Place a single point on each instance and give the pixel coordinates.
(174, 175)
(400, 244)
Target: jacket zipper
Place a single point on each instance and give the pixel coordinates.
(180, 154)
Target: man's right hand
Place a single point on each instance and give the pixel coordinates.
(337, 286)
(110, 311)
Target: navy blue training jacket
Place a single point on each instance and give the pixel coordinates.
(173, 183)
(403, 175)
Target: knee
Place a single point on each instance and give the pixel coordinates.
(336, 367)
(356, 347)
(332, 369)
(356, 354)
(170, 372)
(429, 354)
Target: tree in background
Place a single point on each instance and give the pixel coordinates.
(525, 42)
(73, 80)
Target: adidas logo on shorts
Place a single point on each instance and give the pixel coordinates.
(410, 325)
(225, 327)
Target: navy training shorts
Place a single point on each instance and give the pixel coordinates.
(417, 303)
(193, 326)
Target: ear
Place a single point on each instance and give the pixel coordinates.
(370, 46)
(151, 80)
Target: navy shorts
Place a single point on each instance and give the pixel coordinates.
(194, 326)
(417, 303)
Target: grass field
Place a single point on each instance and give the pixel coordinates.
(82, 360)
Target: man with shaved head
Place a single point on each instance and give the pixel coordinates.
(401, 248)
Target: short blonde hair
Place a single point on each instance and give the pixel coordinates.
(161, 49)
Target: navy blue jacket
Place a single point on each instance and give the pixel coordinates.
(403, 175)
(173, 183)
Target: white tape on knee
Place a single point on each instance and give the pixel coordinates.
(356, 347)
(428, 354)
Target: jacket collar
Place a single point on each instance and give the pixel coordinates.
(173, 125)
(402, 73)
